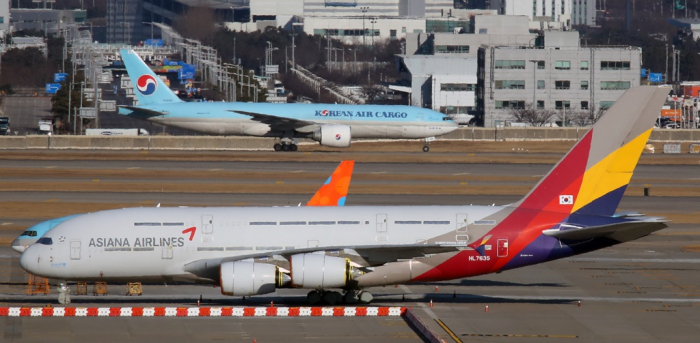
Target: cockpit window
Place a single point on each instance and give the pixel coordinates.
(45, 241)
(30, 233)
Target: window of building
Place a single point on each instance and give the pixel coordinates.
(452, 49)
(540, 64)
(510, 84)
(2, 20)
(403, 29)
(584, 85)
(614, 85)
(458, 87)
(510, 64)
(584, 65)
(584, 105)
(562, 65)
(604, 105)
(455, 110)
(540, 104)
(392, 34)
(540, 84)
(562, 84)
(562, 104)
(510, 104)
(614, 65)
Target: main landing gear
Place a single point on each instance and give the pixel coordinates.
(285, 147)
(332, 297)
(287, 143)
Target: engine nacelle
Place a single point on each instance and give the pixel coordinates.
(321, 271)
(243, 278)
(333, 135)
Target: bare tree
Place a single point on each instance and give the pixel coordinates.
(531, 115)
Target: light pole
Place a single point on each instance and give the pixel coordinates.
(373, 21)
(364, 31)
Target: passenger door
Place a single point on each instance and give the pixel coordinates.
(207, 224)
(502, 250)
(461, 231)
(75, 250)
(382, 223)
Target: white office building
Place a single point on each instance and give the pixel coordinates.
(560, 76)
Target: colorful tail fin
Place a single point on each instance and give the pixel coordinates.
(149, 88)
(334, 191)
(593, 176)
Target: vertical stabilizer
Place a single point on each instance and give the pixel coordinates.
(335, 189)
(593, 176)
(148, 87)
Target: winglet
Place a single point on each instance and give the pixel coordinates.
(335, 189)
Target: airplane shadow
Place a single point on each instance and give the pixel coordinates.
(491, 283)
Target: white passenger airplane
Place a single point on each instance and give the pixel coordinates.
(249, 251)
(332, 193)
(329, 124)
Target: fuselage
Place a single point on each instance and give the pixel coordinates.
(365, 121)
(155, 244)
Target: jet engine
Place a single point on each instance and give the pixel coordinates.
(243, 278)
(333, 135)
(321, 271)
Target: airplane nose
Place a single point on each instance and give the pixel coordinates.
(17, 245)
(29, 260)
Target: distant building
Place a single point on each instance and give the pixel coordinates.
(560, 76)
(4, 17)
(441, 83)
(439, 69)
(549, 14)
(480, 30)
(125, 21)
(50, 21)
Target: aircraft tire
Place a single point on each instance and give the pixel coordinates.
(285, 147)
(332, 298)
(313, 298)
(293, 147)
(351, 298)
(277, 146)
(426, 148)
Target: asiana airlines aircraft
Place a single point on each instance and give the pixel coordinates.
(331, 125)
(339, 253)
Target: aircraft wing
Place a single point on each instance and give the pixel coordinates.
(144, 112)
(363, 256)
(637, 228)
(281, 123)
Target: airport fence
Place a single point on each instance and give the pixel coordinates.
(256, 143)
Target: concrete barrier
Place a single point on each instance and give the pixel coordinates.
(261, 143)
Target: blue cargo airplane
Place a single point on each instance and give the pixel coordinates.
(329, 124)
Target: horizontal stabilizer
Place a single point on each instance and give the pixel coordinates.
(634, 228)
(144, 112)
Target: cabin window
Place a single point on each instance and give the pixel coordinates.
(147, 224)
(263, 223)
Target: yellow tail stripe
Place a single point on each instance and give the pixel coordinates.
(612, 172)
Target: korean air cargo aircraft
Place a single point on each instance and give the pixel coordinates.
(329, 124)
(332, 193)
(329, 250)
